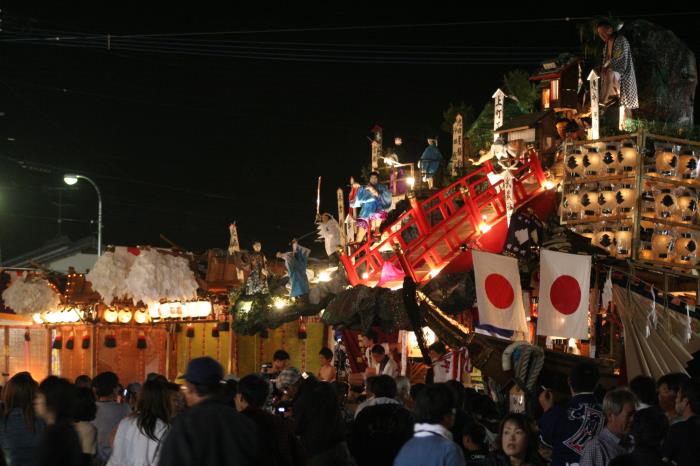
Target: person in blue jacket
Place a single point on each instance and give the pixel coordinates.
(430, 162)
(373, 200)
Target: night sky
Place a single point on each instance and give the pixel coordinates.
(183, 143)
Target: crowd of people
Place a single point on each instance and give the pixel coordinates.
(284, 416)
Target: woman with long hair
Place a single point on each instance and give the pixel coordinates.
(139, 435)
(59, 444)
(20, 429)
(517, 442)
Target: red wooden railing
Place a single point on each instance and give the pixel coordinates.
(433, 231)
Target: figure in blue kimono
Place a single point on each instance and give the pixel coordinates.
(373, 200)
(257, 278)
(430, 162)
(296, 261)
(618, 77)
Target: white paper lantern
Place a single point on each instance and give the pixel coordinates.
(628, 156)
(606, 200)
(686, 248)
(688, 165)
(662, 244)
(574, 163)
(589, 203)
(666, 203)
(623, 241)
(687, 205)
(572, 206)
(610, 159)
(604, 238)
(626, 197)
(666, 161)
(592, 162)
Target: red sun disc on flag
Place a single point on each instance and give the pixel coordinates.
(499, 291)
(565, 294)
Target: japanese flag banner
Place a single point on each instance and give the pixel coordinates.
(564, 294)
(498, 293)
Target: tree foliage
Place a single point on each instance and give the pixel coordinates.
(519, 88)
(449, 115)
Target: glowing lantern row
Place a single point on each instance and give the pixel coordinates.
(189, 310)
(608, 200)
(678, 205)
(671, 161)
(615, 239)
(596, 161)
(667, 245)
(67, 316)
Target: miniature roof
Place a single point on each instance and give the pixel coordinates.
(520, 122)
(553, 69)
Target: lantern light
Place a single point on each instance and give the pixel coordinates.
(666, 161)
(626, 197)
(110, 315)
(662, 244)
(627, 156)
(688, 205)
(279, 303)
(688, 165)
(666, 203)
(592, 162)
(611, 159)
(484, 227)
(37, 318)
(410, 181)
(124, 316)
(548, 184)
(365, 276)
(607, 200)
(623, 241)
(686, 248)
(141, 316)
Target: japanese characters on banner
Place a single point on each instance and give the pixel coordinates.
(451, 366)
(498, 293)
(564, 294)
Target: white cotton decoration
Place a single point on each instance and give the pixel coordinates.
(108, 276)
(155, 276)
(32, 295)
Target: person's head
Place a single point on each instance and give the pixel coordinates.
(202, 379)
(457, 392)
(436, 351)
(583, 378)
(289, 380)
(257, 246)
(369, 339)
(378, 353)
(403, 388)
(373, 178)
(688, 398)
(154, 403)
(605, 30)
(649, 427)
(83, 381)
(325, 356)
(85, 406)
(644, 388)
(473, 435)
(19, 394)
(326, 217)
(253, 391)
(383, 386)
(280, 360)
(517, 437)
(55, 400)
(435, 405)
(668, 386)
(618, 407)
(131, 393)
(106, 385)
(415, 390)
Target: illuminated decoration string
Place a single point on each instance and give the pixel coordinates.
(303, 346)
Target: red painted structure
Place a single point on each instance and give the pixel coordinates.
(435, 231)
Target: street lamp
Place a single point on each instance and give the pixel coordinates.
(70, 179)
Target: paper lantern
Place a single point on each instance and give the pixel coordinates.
(623, 241)
(688, 165)
(574, 163)
(645, 251)
(666, 203)
(604, 238)
(687, 205)
(124, 316)
(572, 205)
(110, 315)
(625, 197)
(607, 201)
(36, 317)
(686, 248)
(662, 244)
(592, 162)
(141, 316)
(589, 202)
(627, 156)
(610, 159)
(666, 161)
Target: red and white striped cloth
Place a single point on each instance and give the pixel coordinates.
(452, 366)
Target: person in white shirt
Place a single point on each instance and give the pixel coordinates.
(369, 339)
(382, 363)
(139, 435)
